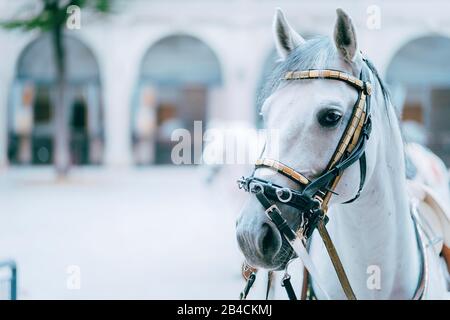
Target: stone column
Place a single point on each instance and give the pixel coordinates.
(3, 125)
(7, 73)
(118, 70)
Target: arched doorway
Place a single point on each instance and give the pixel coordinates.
(32, 102)
(419, 79)
(177, 75)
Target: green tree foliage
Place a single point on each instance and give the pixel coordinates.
(54, 14)
(51, 18)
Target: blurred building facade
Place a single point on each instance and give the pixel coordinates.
(154, 66)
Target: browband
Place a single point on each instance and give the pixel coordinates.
(330, 74)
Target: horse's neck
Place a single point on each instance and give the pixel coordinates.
(375, 235)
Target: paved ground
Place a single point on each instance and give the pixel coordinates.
(137, 233)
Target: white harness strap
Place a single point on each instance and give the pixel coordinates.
(303, 254)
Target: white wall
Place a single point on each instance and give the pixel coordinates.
(238, 31)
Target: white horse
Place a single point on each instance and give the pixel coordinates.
(429, 170)
(374, 235)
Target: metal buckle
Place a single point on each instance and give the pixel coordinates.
(300, 233)
(367, 129)
(280, 192)
(247, 270)
(242, 183)
(286, 275)
(272, 208)
(255, 187)
(319, 199)
(367, 88)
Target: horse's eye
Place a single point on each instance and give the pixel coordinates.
(329, 118)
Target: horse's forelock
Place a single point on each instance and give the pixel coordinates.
(316, 53)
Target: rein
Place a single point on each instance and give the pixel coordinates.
(313, 196)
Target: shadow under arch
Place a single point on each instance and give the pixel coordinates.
(419, 79)
(31, 122)
(179, 78)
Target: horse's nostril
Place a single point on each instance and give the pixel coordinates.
(268, 243)
(267, 238)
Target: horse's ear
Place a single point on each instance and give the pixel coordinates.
(286, 38)
(345, 37)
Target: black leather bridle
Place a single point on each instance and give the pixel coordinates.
(312, 197)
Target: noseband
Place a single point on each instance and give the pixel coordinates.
(313, 196)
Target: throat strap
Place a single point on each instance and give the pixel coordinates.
(362, 179)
